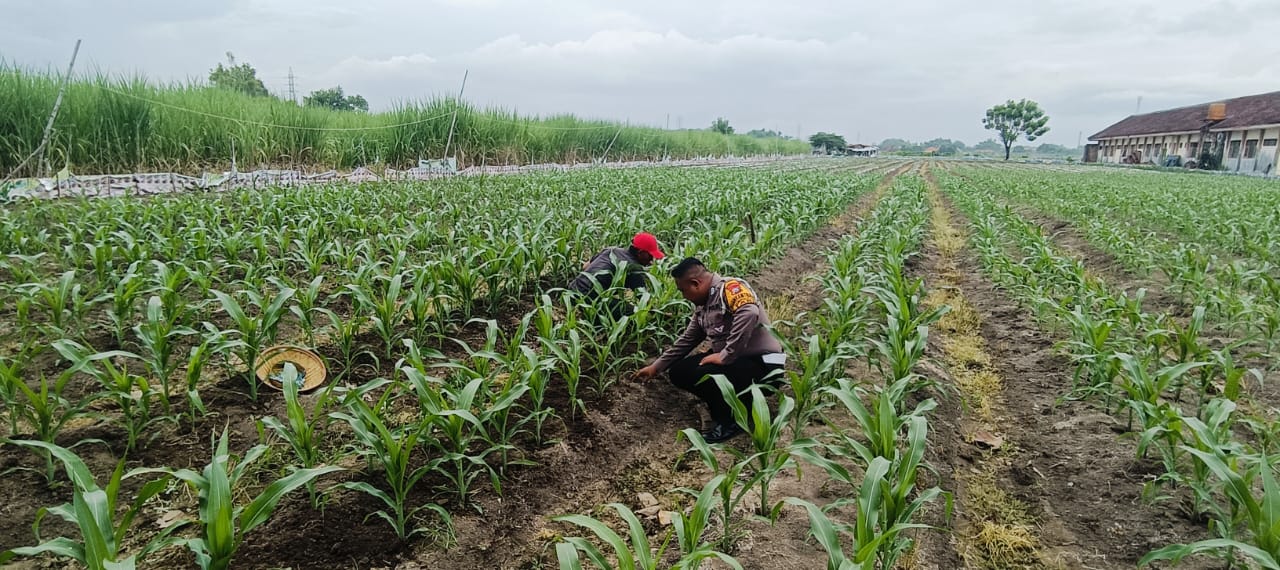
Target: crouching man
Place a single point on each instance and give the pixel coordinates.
(726, 312)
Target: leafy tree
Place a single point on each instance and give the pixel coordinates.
(1052, 149)
(828, 140)
(989, 144)
(765, 134)
(334, 99)
(890, 145)
(1015, 119)
(721, 125)
(949, 148)
(242, 78)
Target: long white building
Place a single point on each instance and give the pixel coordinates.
(1247, 130)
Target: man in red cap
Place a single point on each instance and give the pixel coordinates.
(630, 262)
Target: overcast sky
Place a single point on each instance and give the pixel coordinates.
(907, 69)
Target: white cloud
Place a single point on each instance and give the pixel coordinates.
(902, 69)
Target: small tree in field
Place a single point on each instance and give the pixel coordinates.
(336, 100)
(721, 125)
(828, 141)
(1015, 119)
(242, 78)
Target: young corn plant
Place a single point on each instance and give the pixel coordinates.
(1212, 435)
(384, 305)
(874, 540)
(344, 333)
(906, 331)
(224, 520)
(391, 450)
(633, 553)
(1260, 515)
(65, 301)
(818, 366)
(730, 490)
(124, 302)
(305, 426)
(158, 336)
(534, 371)
(131, 393)
(254, 332)
(45, 411)
(771, 456)
(93, 511)
(11, 375)
(568, 355)
(307, 302)
(456, 431)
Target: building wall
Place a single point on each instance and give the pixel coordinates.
(1245, 150)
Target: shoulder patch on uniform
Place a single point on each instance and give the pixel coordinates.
(737, 294)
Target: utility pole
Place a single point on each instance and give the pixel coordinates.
(293, 94)
(1139, 107)
(452, 123)
(668, 127)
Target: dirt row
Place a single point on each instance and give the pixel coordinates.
(1060, 464)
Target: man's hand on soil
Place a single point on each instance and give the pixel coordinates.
(645, 373)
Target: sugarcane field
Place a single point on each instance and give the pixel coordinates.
(454, 327)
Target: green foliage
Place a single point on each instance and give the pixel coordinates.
(334, 99)
(1015, 119)
(224, 518)
(829, 141)
(110, 124)
(93, 512)
(242, 78)
(721, 125)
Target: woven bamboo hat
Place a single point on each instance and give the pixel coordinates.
(310, 366)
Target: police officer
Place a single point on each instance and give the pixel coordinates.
(727, 312)
(642, 252)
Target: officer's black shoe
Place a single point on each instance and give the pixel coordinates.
(722, 432)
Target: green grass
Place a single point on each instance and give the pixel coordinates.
(127, 124)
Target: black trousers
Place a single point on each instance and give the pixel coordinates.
(686, 374)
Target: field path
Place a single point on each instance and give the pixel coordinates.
(1062, 490)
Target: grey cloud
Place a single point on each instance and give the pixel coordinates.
(901, 69)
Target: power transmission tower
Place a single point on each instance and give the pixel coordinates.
(293, 95)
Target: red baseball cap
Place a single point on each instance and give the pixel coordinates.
(647, 243)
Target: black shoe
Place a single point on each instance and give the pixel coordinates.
(722, 432)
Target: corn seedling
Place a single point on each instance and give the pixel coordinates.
(254, 332)
(632, 553)
(391, 449)
(224, 519)
(770, 455)
(305, 426)
(93, 512)
(158, 338)
(874, 540)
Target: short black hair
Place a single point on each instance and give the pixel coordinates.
(686, 266)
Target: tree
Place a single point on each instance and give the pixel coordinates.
(1015, 119)
(828, 140)
(890, 145)
(334, 99)
(242, 78)
(1052, 149)
(989, 144)
(950, 148)
(765, 134)
(721, 125)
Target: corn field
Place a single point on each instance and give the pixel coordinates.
(989, 366)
